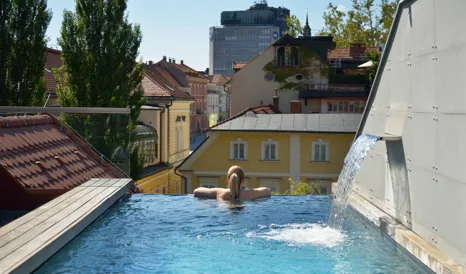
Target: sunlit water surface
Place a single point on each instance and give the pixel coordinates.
(181, 234)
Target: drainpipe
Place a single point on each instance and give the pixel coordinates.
(161, 133)
(184, 179)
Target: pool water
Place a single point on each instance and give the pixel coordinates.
(182, 234)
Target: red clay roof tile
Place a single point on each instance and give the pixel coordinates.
(344, 53)
(29, 147)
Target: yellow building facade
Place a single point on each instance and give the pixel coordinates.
(174, 125)
(272, 148)
(169, 114)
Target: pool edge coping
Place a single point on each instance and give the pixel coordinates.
(428, 254)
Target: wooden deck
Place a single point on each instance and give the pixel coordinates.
(29, 241)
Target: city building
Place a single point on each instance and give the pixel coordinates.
(244, 34)
(163, 133)
(272, 148)
(219, 102)
(298, 63)
(181, 76)
(311, 75)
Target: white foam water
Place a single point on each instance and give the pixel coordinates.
(302, 234)
(352, 163)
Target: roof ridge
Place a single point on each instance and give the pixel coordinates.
(171, 88)
(24, 121)
(158, 84)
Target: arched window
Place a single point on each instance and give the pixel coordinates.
(319, 151)
(281, 56)
(147, 141)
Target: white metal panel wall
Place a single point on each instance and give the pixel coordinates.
(421, 96)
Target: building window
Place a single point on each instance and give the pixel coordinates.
(320, 151)
(346, 106)
(294, 57)
(270, 150)
(146, 140)
(274, 185)
(238, 149)
(209, 183)
(281, 56)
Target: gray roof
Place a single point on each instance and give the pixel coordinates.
(318, 122)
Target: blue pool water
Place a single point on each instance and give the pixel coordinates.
(181, 234)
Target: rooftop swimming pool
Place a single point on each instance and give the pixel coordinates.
(181, 234)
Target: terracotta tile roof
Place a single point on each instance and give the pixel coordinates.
(239, 65)
(218, 79)
(151, 88)
(264, 110)
(183, 68)
(38, 155)
(52, 61)
(158, 83)
(345, 53)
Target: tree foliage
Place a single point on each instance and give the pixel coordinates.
(295, 28)
(366, 22)
(23, 25)
(99, 52)
(303, 188)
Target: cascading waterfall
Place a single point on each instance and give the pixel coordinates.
(353, 160)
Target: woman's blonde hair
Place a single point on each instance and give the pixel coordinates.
(235, 177)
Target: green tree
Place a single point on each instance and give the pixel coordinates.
(295, 28)
(99, 52)
(303, 188)
(366, 22)
(23, 24)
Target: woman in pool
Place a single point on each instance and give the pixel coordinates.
(235, 180)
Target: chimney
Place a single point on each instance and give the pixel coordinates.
(295, 106)
(169, 60)
(150, 62)
(174, 61)
(181, 62)
(276, 100)
(164, 58)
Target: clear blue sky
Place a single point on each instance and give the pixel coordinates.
(180, 28)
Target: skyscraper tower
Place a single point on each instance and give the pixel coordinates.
(244, 34)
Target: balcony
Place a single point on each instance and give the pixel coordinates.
(334, 90)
